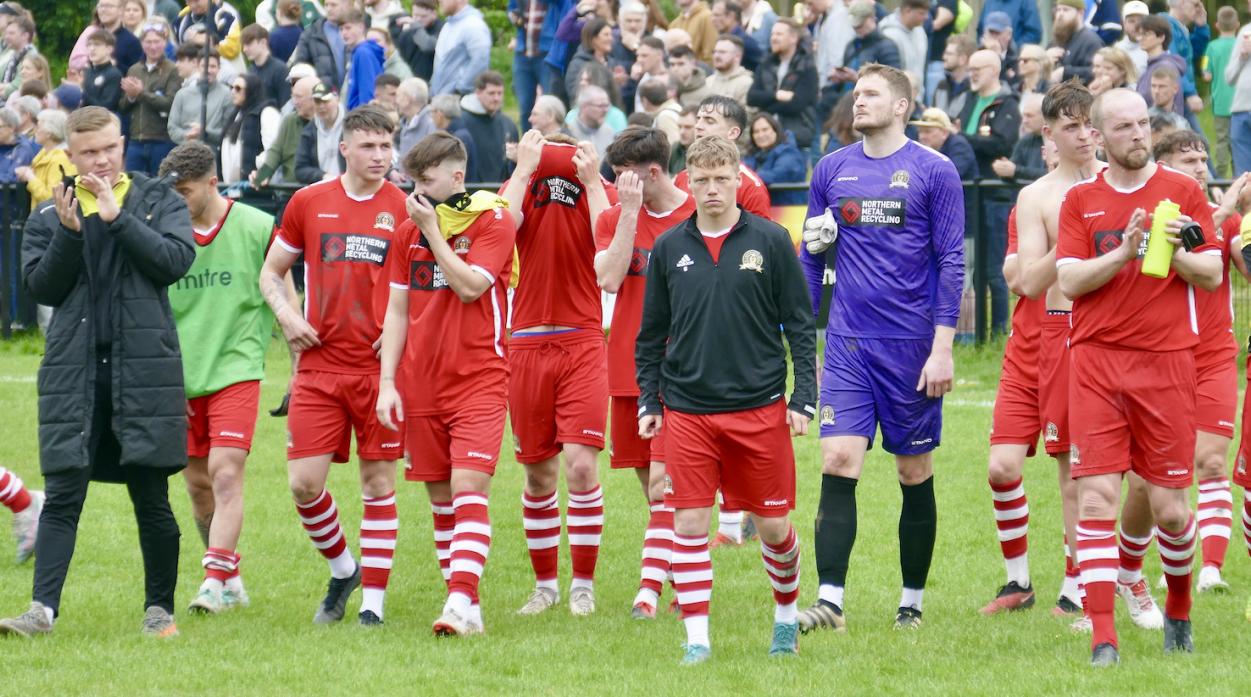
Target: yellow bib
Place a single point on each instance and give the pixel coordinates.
(456, 215)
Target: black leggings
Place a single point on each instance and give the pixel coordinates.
(67, 491)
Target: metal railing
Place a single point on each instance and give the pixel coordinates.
(17, 311)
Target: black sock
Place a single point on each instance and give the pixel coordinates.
(835, 528)
(918, 526)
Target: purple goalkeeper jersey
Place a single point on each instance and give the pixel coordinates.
(899, 258)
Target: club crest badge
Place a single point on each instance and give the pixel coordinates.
(461, 246)
(899, 180)
(752, 261)
(385, 221)
(827, 415)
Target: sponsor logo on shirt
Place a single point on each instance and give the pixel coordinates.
(827, 415)
(899, 180)
(685, 262)
(638, 262)
(385, 221)
(752, 261)
(1109, 240)
(345, 246)
(426, 275)
(555, 190)
(461, 246)
(875, 212)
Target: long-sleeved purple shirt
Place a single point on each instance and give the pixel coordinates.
(899, 259)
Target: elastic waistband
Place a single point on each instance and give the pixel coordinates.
(564, 337)
(1050, 321)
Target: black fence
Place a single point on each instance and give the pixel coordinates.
(983, 251)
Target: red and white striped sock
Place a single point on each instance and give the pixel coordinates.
(692, 579)
(219, 565)
(234, 581)
(444, 527)
(1097, 558)
(540, 516)
(320, 518)
(1177, 555)
(1012, 519)
(781, 562)
(380, 525)
(1216, 518)
(1133, 552)
(1072, 587)
(471, 543)
(657, 551)
(585, 523)
(13, 493)
(1246, 518)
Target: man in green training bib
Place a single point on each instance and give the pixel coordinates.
(224, 324)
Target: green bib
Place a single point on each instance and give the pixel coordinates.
(223, 322)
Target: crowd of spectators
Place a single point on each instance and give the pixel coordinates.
(269, 92)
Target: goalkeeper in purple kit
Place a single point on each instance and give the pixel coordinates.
(892, 212)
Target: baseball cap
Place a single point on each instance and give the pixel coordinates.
(324, 93)
(1079, 5)
(861, 10)
(299, 71)
(1135, 7)
(997, 22)
(933, 117)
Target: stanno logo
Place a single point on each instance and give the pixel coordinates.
(777, 502)
(328, 215)
(847, 179)
(685, 262)
(392, 445)
(589, 432)
(480, 456)
(924, 441)
(230, 434)
(1092, 214)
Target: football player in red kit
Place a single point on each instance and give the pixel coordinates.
(558, 384)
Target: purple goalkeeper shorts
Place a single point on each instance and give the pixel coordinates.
(867, 383)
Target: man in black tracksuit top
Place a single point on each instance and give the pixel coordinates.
(722, 288)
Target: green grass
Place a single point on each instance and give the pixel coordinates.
(273, 648)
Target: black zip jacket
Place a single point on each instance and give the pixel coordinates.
(710, 340)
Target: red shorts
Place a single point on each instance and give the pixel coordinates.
(324, 411)
(627, 450)
(435, 444)
(746, 454)
(557, 392)
(1016, 419)
(1053, 382)
(1242, 471)
(224, 419)
(1216, 391)
(1133, 411)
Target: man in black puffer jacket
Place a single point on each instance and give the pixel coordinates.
(322, 47)
(793, 98)
(111, 400)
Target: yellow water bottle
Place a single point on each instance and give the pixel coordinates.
(1159, 256)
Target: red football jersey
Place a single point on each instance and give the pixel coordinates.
(345, 243)
(556, 283)
(1216, 308)
(1022, 350)
(628, 311)
(1131, 311)
(752, 195)
(455, 352)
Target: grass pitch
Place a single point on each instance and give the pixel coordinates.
(273, 648)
